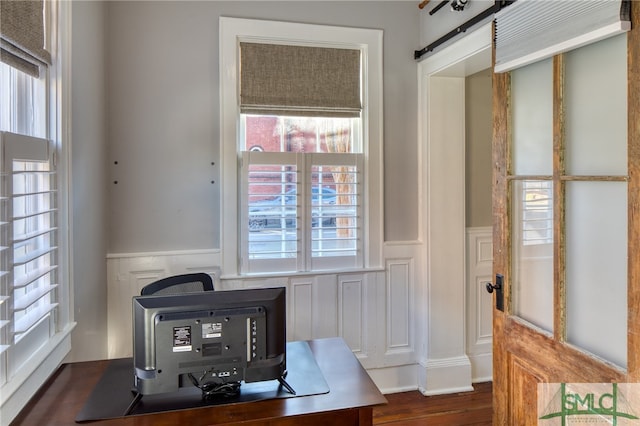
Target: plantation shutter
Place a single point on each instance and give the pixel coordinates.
(301, 212)
(23, 35)
(29, 253)
(271, 186)
(336, 240)
(299, 80)
(531, 30)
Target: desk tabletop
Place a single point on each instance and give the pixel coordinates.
(65, 393)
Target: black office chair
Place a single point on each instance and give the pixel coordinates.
(186, 283)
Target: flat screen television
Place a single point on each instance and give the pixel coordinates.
(214, 340)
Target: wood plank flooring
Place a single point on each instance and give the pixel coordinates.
(459, 409)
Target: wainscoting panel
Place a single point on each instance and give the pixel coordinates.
(300, 321)
(399, 304)
(351, 302)
(479, 302)
(325, 302)
(127, 274)
(373, 310)
(402, 278)
(484, 312)
(398, 300)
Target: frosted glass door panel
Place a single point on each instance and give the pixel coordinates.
(532, 283)
(532, 115)
(596, 269)
(596, 108)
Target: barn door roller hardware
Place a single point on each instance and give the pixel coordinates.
(440, 5)
(497, 5)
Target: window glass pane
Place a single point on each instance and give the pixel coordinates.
(596, 270)
(267, 133)
(532, 288)
(22, 102)
(334, 218)
(596, 108)
(532, 115)
(273, 211)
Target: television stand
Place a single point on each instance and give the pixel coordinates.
(136, 399)
(286, 385)
(211, 390)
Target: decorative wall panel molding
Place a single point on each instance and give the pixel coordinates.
(399, 304)
(372, 309)
(479, 302)
(128, 273)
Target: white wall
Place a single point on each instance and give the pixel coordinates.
(145, 95)
(162, 77)
(479, 129)
(88, 175)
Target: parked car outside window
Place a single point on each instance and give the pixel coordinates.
(280, 211)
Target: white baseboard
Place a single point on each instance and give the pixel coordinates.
(444, 376)
(481, 367)
(396, 379)
(403, 378)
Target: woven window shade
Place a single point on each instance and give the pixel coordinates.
(299, 80)
(22, 35)
(531, 30)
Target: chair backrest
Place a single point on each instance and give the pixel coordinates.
(177, 284)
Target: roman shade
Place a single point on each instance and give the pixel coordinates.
(299, 80)
(22, 35)
(532, 30)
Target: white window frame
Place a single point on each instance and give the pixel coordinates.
(369, 41)
(27, 380)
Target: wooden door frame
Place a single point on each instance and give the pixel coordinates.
(527, 339)
(633, 134)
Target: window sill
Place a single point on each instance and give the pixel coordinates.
(300, 274)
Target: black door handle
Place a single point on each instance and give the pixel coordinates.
(491, 287)
(499, 293)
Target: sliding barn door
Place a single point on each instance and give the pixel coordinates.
(566, 226)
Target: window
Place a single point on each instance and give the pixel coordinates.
(302, 174)
(23, 103)
(537, 212)
(301, 197)
(300, 212)
(34, 291)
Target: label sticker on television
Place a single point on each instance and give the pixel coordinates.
(211, 330)
(182, 339)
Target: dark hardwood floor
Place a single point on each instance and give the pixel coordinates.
(412, 408)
